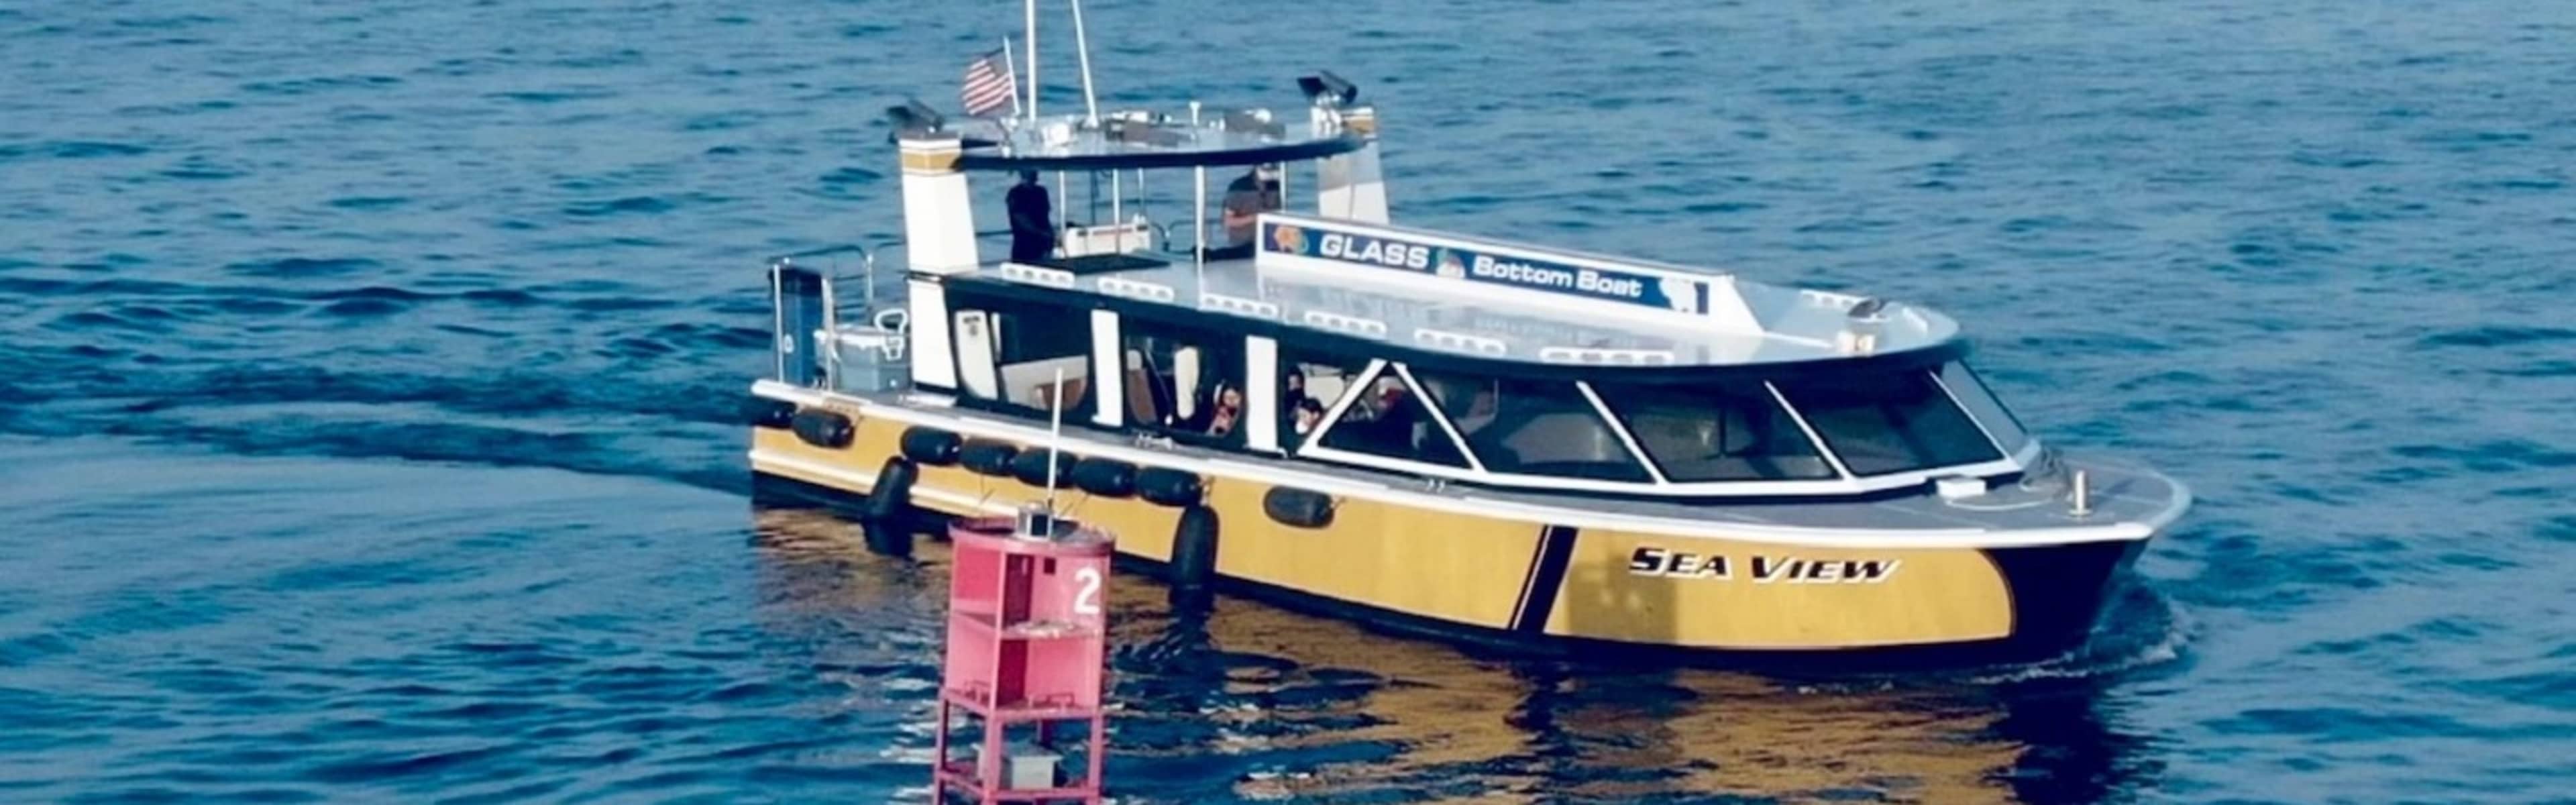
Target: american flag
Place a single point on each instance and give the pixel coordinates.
(990, 85)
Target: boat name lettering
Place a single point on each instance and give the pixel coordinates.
(1366, 249)
(1675, 293)
(1760, 569)
(1581, 279)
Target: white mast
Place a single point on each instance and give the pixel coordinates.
(1082, 51)
(1008, 62)
(1032, 34)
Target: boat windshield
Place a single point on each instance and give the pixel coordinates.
(1883, 423)
(1808, 428)
(1716, 432)
(1530, 427)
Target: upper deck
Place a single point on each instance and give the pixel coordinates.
(1496, 300)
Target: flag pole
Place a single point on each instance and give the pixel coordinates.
(1032, 36)
(1082, 51)
(1015, 78)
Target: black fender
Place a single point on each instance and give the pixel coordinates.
(768, 413)
(1298, 507)
(885, 515)
(822, 428)
(988, 458)
(1169, 487)
(932, 446)
(1106, 477)
(1194, 544)
(1030, 466)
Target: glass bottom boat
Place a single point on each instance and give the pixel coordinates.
(1434, 432)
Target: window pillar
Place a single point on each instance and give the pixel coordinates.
(1261, 394)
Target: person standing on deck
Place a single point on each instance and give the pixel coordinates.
(1246, 198)
(1032, 231)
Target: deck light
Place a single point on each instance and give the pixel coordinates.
(1861, 328)
(1326, 89)
(914, 117)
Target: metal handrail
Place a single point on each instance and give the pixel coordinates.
(820, 251)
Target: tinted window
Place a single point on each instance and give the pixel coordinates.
(1715, 432)
(1532, 428)
(1310, 384)
(1011, 355)
(1884, 423)
(1390, 419)
(1974, 395)
(1183, 382)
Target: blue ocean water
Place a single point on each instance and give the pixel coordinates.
(368, 432)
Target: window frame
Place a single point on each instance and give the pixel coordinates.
(1586, 402)
(1835, 471)
(1930, 375)
(2028, 439)
(1216, 341)
(1842, 482)
(1373, 362)
(1313, 445)
(1082, 412)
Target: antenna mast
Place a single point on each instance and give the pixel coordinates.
(1032, 35)
(1082, 51)
(1055, 436)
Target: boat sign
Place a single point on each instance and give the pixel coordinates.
(1492, 264)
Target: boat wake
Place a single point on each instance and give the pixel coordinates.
(2144, 628)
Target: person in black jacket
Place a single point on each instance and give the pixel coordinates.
(1032, 230)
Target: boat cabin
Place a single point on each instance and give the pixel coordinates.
(1330, 337)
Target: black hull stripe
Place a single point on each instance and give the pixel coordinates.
(1555, 552)
(1538, 555)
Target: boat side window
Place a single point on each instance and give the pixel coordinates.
(1391, 419)
(1183, 382)
(1008, 355)
(1889, 422)
(1310, 385)
(1974, 395)
(1528, 427)
(1716, 431)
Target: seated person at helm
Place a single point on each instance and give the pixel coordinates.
(1246, 198)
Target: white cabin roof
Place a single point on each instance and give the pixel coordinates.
(1530, 304)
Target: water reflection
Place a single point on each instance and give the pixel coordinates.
(1241, 702)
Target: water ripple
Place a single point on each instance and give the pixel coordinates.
(369, 424)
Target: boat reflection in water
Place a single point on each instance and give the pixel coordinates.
(1240, 701)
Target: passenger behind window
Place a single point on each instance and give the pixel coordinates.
(1219, 416)
(1292, 390)
(1391, 420)
(1226, 413)
(1307, 415)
